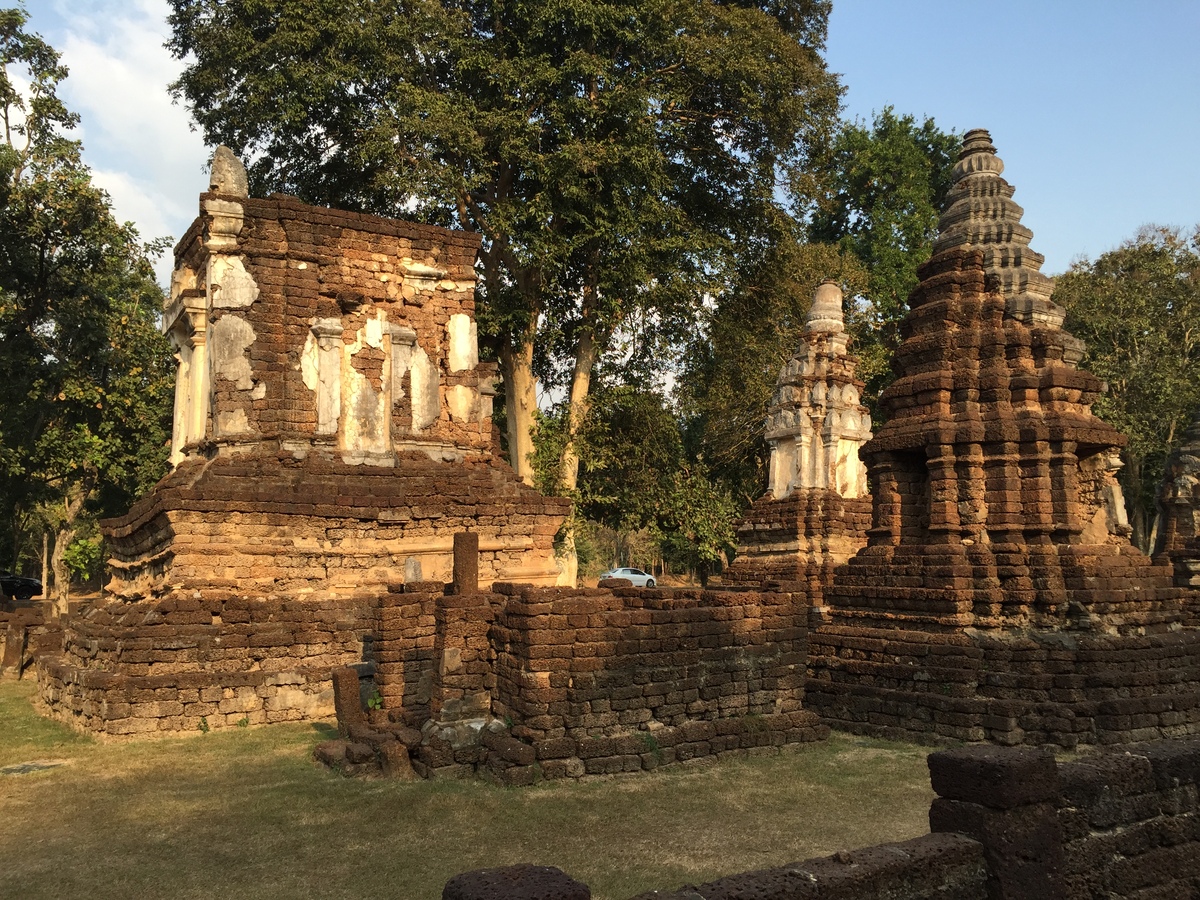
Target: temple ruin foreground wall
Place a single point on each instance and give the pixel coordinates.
(525, 683)
(1007, 824)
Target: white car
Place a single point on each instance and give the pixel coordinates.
(637, 576)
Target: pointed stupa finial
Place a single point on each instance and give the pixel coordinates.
(980, 214)
(227, 175)
(825, 314)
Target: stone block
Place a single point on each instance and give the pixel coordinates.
(331, 753)
(395, 761)
(359, 753)
(519, 882)
(999, 778)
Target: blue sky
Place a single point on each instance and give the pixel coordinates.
(1092, 104)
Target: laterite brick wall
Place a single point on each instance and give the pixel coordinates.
(1034, 688)
(592, 681)
(163, 665)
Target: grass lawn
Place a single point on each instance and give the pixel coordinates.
(246, 813)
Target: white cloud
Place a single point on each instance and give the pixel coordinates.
(138, 143)
(155, 214)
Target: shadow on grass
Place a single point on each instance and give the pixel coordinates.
(325, 731)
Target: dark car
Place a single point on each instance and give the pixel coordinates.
(19, 586)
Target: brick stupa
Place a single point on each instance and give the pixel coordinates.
(998, 527)
(332, 433)
(816, 510)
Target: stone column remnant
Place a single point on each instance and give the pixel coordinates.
(466, 562)
(347, 700)
(1006, 800)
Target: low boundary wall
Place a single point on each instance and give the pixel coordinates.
(1007, 824)
(1031, 688)
(526, 683)
(166, 664)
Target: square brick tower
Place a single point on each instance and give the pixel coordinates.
(332, 433)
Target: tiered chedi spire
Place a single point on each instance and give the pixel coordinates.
(998, 597)
(815, 423)
(980, 213)
(815, 512)
(995, 502)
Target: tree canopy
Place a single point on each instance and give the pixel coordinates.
(85, 377)
(1138, 309)
(615, 155)
(884, 190)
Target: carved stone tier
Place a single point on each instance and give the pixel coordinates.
(995, 501)
(276, 526)
(802, 538)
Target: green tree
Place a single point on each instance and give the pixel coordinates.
(84, 375)
(616, 156)
(698, 521)
(885, 187)
(630, 448)
(1138, 309)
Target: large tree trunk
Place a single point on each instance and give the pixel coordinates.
(1132, 487)
(62, 578)
(581, 384)
(520, 405)
(72, 507)
(45, 564)
(577, 410)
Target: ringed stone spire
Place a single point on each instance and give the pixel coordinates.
(980, 214)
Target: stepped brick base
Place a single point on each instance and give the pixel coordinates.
(1033, 688)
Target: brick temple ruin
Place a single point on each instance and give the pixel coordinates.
(332, 433)
(337, 516)
(816, 511)
(998, 597)
(337, 526)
